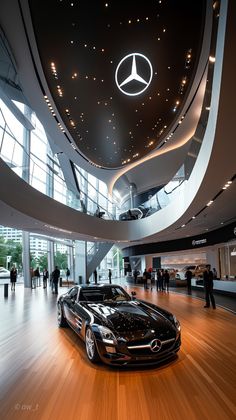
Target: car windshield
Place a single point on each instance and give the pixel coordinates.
(103, 294)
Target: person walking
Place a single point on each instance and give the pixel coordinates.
(95, 275)
(55, 279)
(109, 275)
(45, 277)
(158, 284)
(135, 274)
(145, 277)
(67, 276)
(162, 280)
(166, 278)
(32, 278)
(188, 276)
(208, 286)
(37, 275)
(13, 278)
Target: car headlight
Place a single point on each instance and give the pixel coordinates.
(177, 323)
(107, 335)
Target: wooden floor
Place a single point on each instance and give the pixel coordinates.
(44, 372)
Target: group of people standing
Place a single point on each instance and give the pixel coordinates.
(54, 277)
(161, 278)
(162, 281)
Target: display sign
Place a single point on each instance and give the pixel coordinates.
(199, 242)
(139, 69)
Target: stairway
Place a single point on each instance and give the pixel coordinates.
(95, 255)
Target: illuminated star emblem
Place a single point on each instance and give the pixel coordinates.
(136, 82)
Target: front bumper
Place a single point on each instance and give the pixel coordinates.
(125, 354)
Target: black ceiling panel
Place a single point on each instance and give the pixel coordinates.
(81, 44)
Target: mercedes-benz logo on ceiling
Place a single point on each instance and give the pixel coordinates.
(133, 74)
(155, 345)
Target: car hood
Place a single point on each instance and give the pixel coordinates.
(130, 316)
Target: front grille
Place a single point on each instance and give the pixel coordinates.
(145, 349)
(139, 338)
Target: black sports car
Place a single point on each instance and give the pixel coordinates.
(119, 329)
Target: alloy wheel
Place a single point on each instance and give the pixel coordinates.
(90, 344)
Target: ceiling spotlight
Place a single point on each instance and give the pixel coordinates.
(212, 59)
(210, 202)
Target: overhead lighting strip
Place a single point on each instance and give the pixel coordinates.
(226, 186)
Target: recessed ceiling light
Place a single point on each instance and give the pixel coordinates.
(210, 203)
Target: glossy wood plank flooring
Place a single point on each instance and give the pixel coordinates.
(44, 372)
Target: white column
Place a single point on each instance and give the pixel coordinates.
(143, 263)
(26, 177)
(118, 262)
(51, 257)
(81, 261)
(26, 258)
(70, 261)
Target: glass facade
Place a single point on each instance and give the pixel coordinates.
(28, 153)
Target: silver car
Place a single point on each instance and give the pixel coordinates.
(4, 273)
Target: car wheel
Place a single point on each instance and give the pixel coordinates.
(62, 322)
(91, 348)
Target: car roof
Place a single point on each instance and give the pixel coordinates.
(98, 286)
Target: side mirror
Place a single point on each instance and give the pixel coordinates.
(133, 294)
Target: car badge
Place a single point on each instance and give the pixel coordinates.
(139, 69)
(155, 345)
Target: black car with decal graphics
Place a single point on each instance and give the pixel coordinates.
(117, 328)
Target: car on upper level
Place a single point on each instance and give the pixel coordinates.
(117, 328)
(131, 214)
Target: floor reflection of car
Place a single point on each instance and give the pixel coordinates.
(131, 214)
(117, 328)
(4, 273)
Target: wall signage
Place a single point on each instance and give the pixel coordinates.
(132, 68)
(199, 242)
